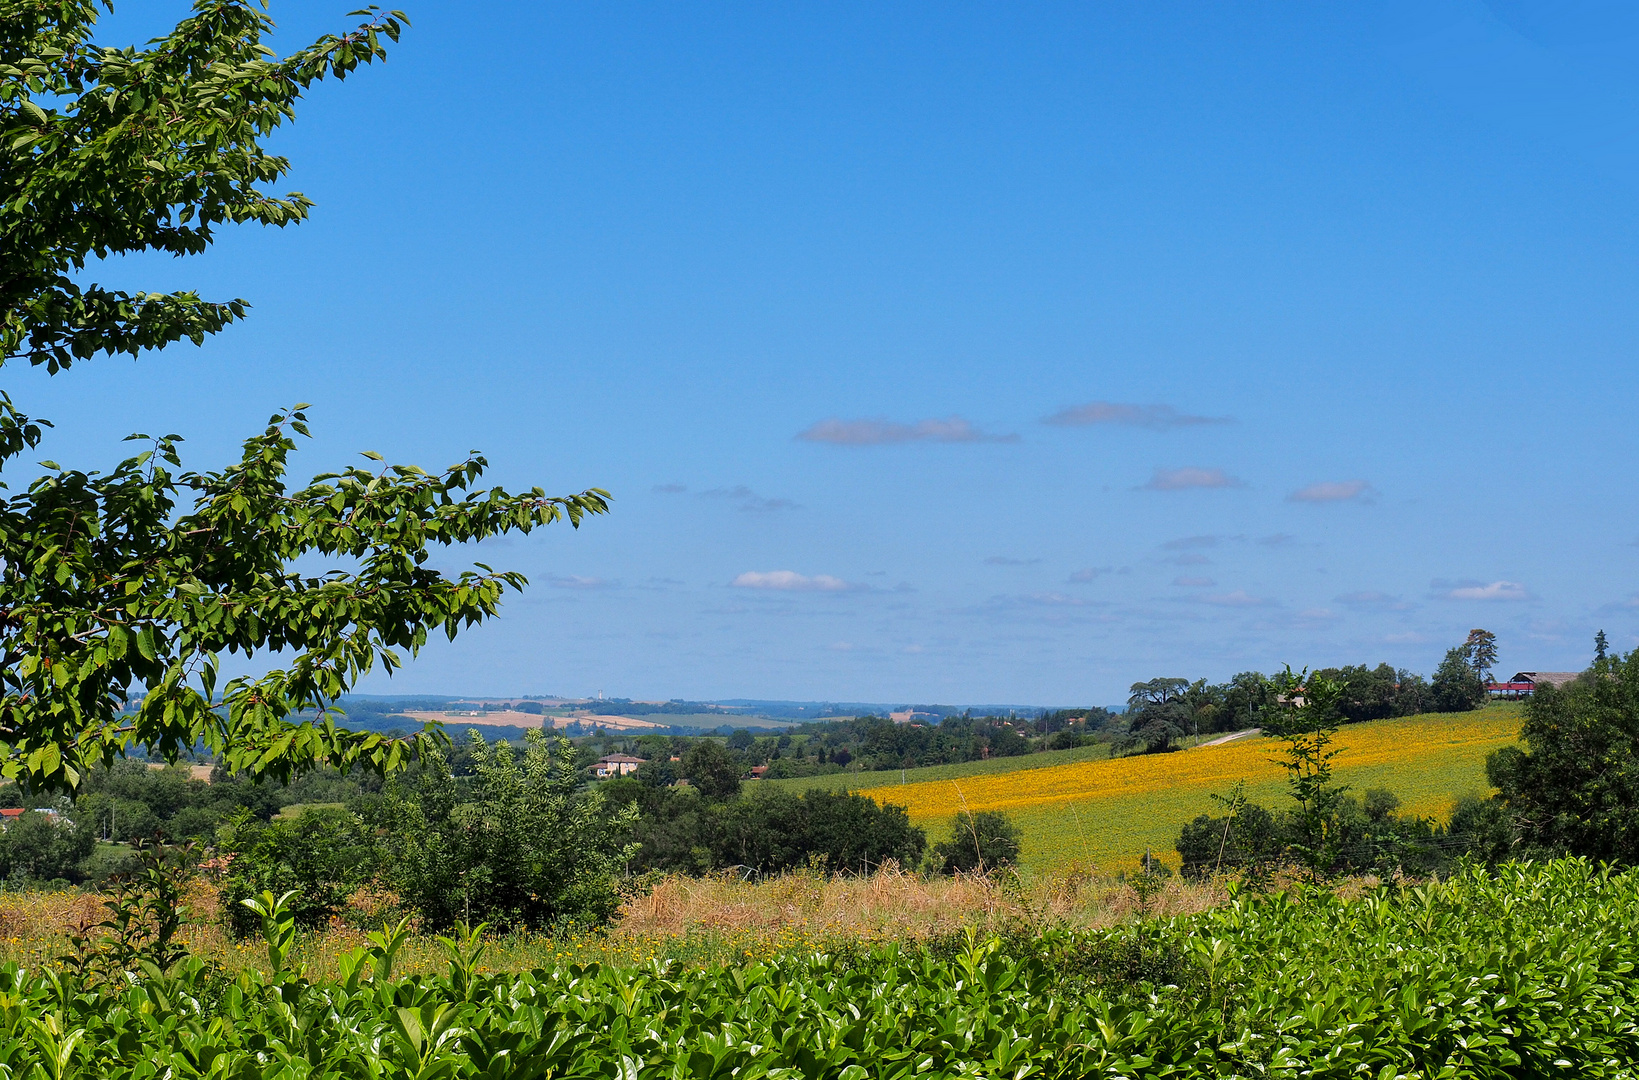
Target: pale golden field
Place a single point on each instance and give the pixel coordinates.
(1105, 813)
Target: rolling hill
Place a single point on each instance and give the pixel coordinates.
(1106, 812)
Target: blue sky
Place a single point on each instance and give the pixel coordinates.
(961, 353)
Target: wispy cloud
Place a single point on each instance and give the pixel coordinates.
(1238, 598)
(878, 432)
(1276, 539)
(669, 489)
(1008, 560)
(1194, 582)
(746, 499)
(1086, 574)
(576, 581)
(1188, 479)
(1373, 600)
(1117, 414)
(789, 581)
(1185, 543)
(1188, 558)
(1496, 590)
(1333, 491)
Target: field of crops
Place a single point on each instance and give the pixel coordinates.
(1526, 974)
(859, 781)
(1106, 812)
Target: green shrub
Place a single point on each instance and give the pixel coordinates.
(979, 843)
(324, 854)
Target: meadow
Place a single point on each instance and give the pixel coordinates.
(1107, 812)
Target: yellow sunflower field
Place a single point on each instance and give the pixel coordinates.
(1106, 813)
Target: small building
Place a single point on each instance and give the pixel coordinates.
(1525, 682)
(616, 765)
(759, 771)
(14, 814)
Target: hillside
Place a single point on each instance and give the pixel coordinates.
(1106, 812)
(860, 781)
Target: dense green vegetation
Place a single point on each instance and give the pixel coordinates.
(1511, 974)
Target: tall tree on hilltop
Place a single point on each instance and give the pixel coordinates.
(1481, 648)
(142, 577)
(1455, 687)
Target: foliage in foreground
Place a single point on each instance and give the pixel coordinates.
(144, 576)
(1517, 974)
(1574, 784)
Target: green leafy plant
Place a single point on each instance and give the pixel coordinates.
(144, 913)
(1306, 721)
(278, 926)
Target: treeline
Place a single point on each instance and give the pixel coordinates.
(867, 743)
(1162, 711)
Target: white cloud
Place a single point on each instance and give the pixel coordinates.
(1332, 491)
(1194, 582)
(1008, 560)
(789, 581)
(669, 489)
(1116, 414)
(1315, 614)
(1083, 576)
(1497, 590)
(1189, 478)
(841, 646)
(878, 432)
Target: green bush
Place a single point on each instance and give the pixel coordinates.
(324, 854)
(979, 843)
(528, 850)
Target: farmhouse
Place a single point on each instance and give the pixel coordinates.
(616, 765)
(1524, 682)
(10, 815)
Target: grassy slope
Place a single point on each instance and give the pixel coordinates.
(859, 781)
(1106, 812)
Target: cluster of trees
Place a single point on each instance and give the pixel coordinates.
(1162, 711)
(1364, 835)
(1571, 785)
(519, 839)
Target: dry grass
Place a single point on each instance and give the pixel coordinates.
(892, 904)
(696, 921)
